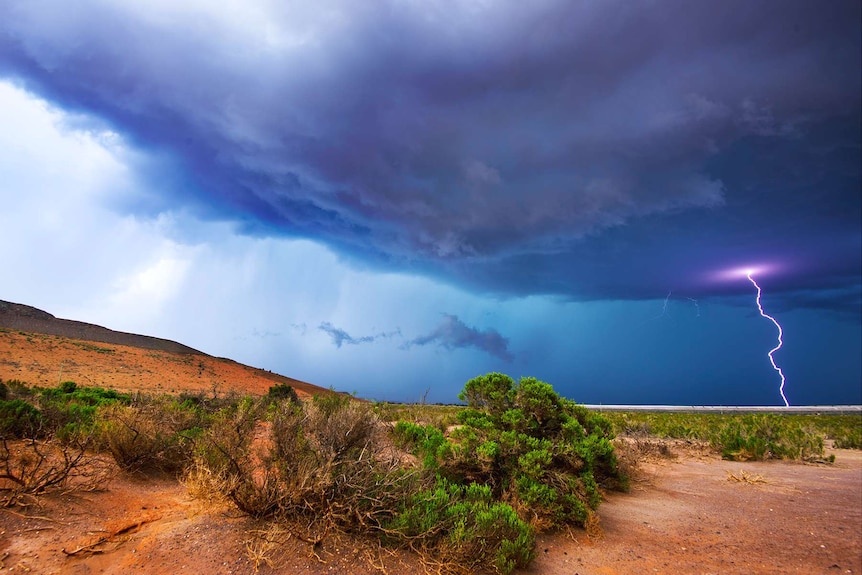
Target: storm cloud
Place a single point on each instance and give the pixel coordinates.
(592, 150)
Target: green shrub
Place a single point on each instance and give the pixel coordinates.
(68, 409)
(283, 391)
(846, 430)
(19, 419)
(423, 440)
(464, 525)
(68, 387)
(544, 453)
(493, 393)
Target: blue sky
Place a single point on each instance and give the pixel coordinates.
(394, 197)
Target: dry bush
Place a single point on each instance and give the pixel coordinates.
(633, 451)
(263, 546)
(32, 467)
(331, 459)
(153, 434)
(204, 484)
(745, 477)
(323, 462)
(644, 447)
(223, 457)
(339, 426)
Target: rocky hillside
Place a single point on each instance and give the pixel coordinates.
(26, 318)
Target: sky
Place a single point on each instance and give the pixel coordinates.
(392, 197)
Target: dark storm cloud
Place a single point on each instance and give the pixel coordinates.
(593, 150)
(452, 333)
(842, 303)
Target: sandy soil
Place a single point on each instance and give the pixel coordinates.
(703, 515)
(695, 514)
(46, 360)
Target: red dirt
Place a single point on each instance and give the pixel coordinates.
(46, 360)
(685, 515)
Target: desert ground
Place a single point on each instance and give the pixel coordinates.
(692, 514)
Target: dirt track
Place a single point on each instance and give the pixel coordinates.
(686, 515)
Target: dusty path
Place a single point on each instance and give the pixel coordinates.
(683, 516)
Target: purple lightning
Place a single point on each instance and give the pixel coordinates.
(780, 333)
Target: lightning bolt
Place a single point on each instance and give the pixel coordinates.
(780, 334)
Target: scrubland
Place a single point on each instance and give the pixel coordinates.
(460, 489)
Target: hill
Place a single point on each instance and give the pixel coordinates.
(40, 349)
(29, 319)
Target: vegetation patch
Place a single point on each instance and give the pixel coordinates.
(516, 460)
(748, 436)
(68, 410)
(282, 391)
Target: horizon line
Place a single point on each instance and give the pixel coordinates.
(795, 409)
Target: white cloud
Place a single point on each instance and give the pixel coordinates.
(146, 290)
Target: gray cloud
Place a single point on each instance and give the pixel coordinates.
(339, 336)
(452, 333)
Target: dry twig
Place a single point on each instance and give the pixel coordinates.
(92, 549)
(745, 477)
